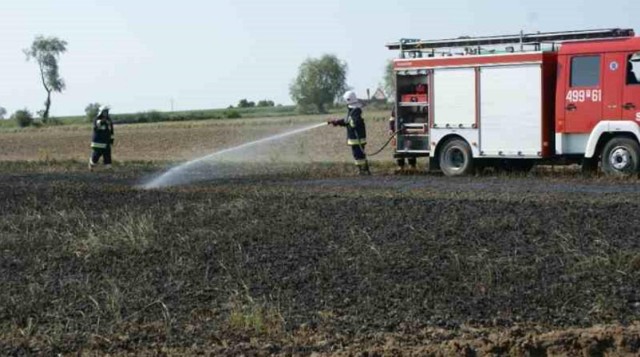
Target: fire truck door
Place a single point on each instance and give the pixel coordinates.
(631, 96)
(614, 74)
(583, 97)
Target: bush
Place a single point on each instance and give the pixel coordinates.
(232, 114)
(51, 121)
(151, 116)
(306, 109)
(23, 117)
(192, 115)
(266, 103)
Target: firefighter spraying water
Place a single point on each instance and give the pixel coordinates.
(356, 130)
(559, 97)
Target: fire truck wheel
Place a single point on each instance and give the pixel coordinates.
(621, 156)
(455, 158)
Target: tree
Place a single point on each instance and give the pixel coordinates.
(91, 111)
(46, 51)
(3, 112)
(389, 80)
(243, 103)
(319, 82)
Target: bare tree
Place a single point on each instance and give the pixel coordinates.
(46, 52)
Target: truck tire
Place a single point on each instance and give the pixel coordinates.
(621, 157)
(455, 158)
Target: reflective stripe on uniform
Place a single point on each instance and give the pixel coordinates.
(361, 162)
(356, 141)
(99, 145)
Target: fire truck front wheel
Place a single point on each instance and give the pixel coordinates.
(621, 156)
(455, 158)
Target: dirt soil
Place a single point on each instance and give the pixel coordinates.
(317, 261)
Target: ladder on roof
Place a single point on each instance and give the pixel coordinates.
(522, 39)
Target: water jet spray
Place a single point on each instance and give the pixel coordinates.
(176, 175)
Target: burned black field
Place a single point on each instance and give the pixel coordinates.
(320, 262)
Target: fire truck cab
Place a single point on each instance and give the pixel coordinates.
(560, 97)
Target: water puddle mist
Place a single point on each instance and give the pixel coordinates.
(200, 168)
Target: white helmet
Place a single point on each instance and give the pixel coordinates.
(635, 57)
(103, 108)
(350, 97)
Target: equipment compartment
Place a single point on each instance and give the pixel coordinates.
(412, 112)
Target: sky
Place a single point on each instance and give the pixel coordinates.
(139, 55)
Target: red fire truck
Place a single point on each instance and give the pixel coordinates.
(518, 100)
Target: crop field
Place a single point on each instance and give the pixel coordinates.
(178, 141)
(291, 253)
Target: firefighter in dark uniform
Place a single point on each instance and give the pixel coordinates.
(400, 161)
(102, 138)
(356, 131)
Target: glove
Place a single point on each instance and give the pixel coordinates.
(332, 122)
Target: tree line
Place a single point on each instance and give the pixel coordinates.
(320, 82)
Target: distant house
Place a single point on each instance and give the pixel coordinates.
(379, 96)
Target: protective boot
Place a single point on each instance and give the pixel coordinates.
(399, 170)
(364, 169)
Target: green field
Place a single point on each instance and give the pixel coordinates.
(153, 116)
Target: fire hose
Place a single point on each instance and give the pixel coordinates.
(395, 133)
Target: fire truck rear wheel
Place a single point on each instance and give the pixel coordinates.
(455, 158)
(621, 156)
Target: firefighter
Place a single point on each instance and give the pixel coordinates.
(356, 131)
(399, 161)
(102, 140)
